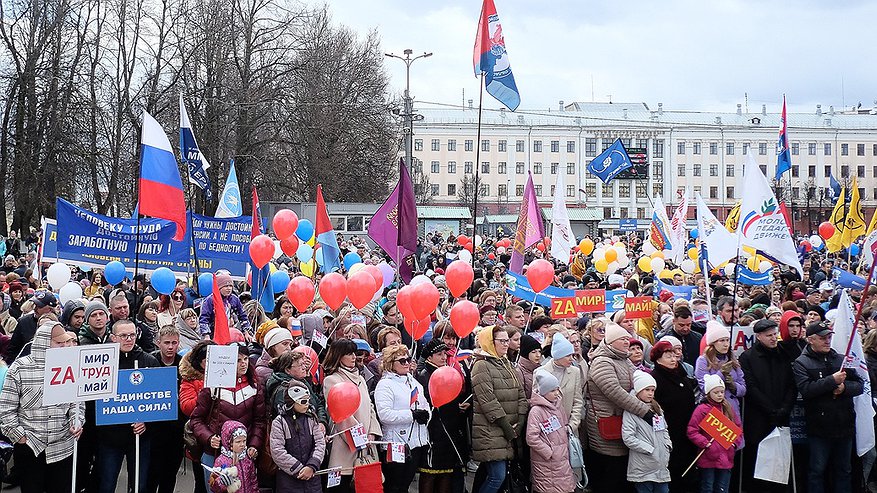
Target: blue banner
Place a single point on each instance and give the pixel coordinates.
(684, 292)
(847, 279)
(518, 286)
(612, 161)
(145, 395)
(627, 225)
(750, 278)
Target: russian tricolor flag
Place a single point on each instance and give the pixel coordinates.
(161, 189)
(491, 58)
(326, 236)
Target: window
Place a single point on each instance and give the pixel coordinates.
(714, 148)
(485, 145)
(827, 170)
(485, 168)
(695, 148)
(590, 147)
(519, 168)
(796, 148)
(555, 146)
(745, 148)
(796, 193)
(537, 146)
(794, 170)
(538, 189)
(658, 168)
(607, 212)
(467, 167)
(811, 171)
(875, 171)
(502, 167)
(714, 192)
(502, 190)
(680, 170)
(605, 143)
(452, 189)
(729, 149)
(502, 146)
(554, 167)
(729, 193)
(680, 147)
(695, 169)
(570, 146)
(519, 146)
(623, 213)
(714, 169)
(641, 187)
(452, 167)
(434, 167)
(553, 187)
(763, 168)
(658, 148)
(537, 168)
(418, 144)
(860, 170)
(452, 144)
(570, 168)
(874, 150)
(434, 189)
(860, 149)
(467, 146)
(844, 149)
(570, 190)
(435, 145)
(826, 149)
(591, 190)
(484, 190)
(624, 189)
(607, 189)
(811, 149)
(642, 144)
(418, 166)
(845, 171)
(640, 213)
(729, 170)
(519, 190)
(625, 141)
(657, 189)
(762, 148)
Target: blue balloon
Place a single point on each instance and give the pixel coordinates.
(163, 280)
(279, 281)
(114, 272)
(305, 252)
(205, 284)
(694, 233)
(305, 230)
(854, 250)
(318, 256)
(351, 259)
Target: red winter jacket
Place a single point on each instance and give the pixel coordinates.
(191, 384)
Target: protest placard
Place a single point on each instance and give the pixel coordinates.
(80, 373)
(145, 395)
(221, 369)
(638, 307)
(721, 428)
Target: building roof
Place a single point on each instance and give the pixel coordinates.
(577, 214)
(442, 212)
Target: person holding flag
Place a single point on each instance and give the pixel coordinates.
(220, 308)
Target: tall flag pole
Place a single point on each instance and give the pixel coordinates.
(530, 228)
(260, 280)
(325, 235)
(784, 158)
(491, 59)
(394, 225)
(161, 188)
(230, 199)
(191, 153)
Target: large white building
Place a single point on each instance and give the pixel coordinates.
(701, 150)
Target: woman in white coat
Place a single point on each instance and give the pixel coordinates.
(403, 412)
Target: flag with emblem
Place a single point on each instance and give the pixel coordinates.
(835, 242)
(854, 223)
(784, 158)
(491, 58)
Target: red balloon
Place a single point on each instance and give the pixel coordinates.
(289, 245)
(807, 246)
(343, 401)
(540, 273)
(462, 240)
(445, 385)
(417, 328)
(424, 300)
(360, 289)
(459, 277)
(826, 230)
(404, 302)
(464, 317)
(469, 246)
(376, 274)
(333, 289)
(300, 292)
(491, 256)
(261, 250)
(540, 246)
(547, 241)
(285, 223)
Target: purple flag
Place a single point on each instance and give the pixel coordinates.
(394, 225)
(530, 228)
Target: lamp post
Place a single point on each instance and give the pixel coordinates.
(408, 116)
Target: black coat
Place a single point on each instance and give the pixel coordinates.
(123, 435)
(24, 332)
(828, 416)
(770, 390)
(447, 428)
(676, 395)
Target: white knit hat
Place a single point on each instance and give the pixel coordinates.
(712, 381)
(642, 380)
(615, 332)
(716, 331)
(276, 336)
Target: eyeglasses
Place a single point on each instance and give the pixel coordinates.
(177, 297)
(501, 341)
(404, 361)
(126, 337)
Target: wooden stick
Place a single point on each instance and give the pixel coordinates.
(696, 458)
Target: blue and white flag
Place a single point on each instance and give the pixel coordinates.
(191, 154)
(751, 278)
(230, 199)
(834, 186)
(784, 158)
(612, 161)
(492, 59)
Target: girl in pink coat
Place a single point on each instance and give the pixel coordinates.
(547, 436)
(233, 470)
(716, 462)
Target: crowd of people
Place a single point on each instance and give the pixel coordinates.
(603, 402)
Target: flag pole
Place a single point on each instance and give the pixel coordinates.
(477, 165)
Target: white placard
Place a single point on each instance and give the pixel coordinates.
(359, 436)
(321, 339)
(396, 453)
(334, 478)
(221, 368)
(80, 373)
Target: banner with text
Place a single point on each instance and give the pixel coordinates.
(517, 286)
(80, 373)
(145, 395)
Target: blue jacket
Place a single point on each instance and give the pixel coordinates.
(233, 306)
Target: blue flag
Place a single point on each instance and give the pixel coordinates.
(191, 154)
(784, 158)
(612, 161)
(230, 199)
(492, 59)
(834, 186)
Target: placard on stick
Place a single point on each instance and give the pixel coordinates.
(721, 428)
(80, 373)
(221, 369)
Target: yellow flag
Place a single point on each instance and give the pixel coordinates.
(835, 243)
(873, 225)
(854, 225)
(733, 218)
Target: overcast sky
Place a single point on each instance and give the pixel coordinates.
(687, 54)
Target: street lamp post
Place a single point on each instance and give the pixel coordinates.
(408, 116)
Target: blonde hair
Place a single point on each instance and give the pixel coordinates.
(390, 354)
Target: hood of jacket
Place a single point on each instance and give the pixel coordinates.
(486, 347)
(42, 340)
(784, 323)
(87, 334)
(69, 308)
(537, 400)
(187, 371)
(604, 349)
(310, 323)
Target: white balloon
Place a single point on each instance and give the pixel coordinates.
(648, 248)
(70, 291)
(355, 268)
(465, 255)
(599, 253)
(422, 278)
(764, 266)
(816, 241)
(730, 268)
(614, 239)
(277, 250)
(657, 265)
(58, 275)
(478, 240)
(623, 261)
(608, 241)
(687, 266)
(500, 250)
(613, 267)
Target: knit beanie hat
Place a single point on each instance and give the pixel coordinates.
(642, 380)
(615, 332)
(673, 340)
(715, 331)
(659, 349)
(93, 306)
(276, 336)
(545, 382)
(712, 381)
(560, 347)
(528, 345)
(223, 280)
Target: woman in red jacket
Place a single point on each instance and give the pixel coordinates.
(191, 383)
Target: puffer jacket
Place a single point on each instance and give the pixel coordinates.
(549, 452)
(263, 371)
(393, 404)
(191, 383)
(497, 394)
(571, 388)
(245, 403)
(610, 380)
(340, 454)
(828, 416)
(714, 456)
(22, 413)
(525, 371)
(649, 450)
(702, 369)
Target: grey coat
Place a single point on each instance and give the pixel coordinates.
(649, 450)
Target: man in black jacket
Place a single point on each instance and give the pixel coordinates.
(44, 302)
(770, 395)
(828, 390)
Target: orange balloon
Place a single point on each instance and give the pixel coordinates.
(611, 255)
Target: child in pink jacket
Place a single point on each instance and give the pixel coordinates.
(548, 438)
(716, 462)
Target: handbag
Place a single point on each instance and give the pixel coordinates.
(577, 459)
(190, 441)
(608, 427)
(516, 482)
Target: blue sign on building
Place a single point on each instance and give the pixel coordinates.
(627, 225)
(145, 395)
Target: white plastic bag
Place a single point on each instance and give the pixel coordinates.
(774, 456)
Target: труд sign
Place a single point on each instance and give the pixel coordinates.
(80, 373)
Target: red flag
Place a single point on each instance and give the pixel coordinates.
(257, 216)
(220, 323)
(788, 218)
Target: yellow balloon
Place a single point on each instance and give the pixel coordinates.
(611, 255)
(644, 264)
(273, 268)
(620, 244)
(586, 246)
(752, 264)
(601, 265)
(692, 253)
(666, 274)
(307, 268)
(658, 254)
(312, 241)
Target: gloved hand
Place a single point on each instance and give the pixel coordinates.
(730, 386)
(421, 416)
(649, 417)
(507, 430)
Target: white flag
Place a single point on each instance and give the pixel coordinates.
(678, 231)
(721, 245)
(230, 198)
(659, 230)
(762, 225)
(845, 334)
(562, 239)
